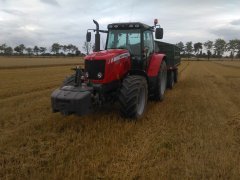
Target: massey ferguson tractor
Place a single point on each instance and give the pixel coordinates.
(134, 67)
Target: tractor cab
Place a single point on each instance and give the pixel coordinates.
(136, 37)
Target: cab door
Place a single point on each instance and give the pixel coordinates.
(148, 47)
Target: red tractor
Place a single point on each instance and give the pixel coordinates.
(133, 68)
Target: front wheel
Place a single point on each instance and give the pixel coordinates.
(133, 96)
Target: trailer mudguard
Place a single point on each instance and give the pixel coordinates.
(154, 64)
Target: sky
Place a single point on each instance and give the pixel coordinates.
(44, 22)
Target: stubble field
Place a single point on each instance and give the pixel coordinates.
(193, 134)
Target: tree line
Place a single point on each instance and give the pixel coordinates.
(214, 49)
(56, 49)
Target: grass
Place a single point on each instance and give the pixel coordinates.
(24, 62)
(193, 134)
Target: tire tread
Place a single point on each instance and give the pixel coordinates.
(129, 95)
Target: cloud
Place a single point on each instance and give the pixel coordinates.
(227, 32)
(39, 22)
(236, 22)
(13, 12)
(51, 2)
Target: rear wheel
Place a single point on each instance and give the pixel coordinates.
(161, 82)
(133, 96)
(170, 79)
(176, 75)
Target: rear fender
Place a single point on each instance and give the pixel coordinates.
(154, 64)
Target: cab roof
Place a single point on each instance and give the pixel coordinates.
(129, 25)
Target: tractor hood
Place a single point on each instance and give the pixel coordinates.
(107, 54)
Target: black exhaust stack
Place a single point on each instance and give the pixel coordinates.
(97, 37)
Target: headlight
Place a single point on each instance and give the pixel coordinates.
(99, 75)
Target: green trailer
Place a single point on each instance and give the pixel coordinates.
(173, 59)
(171, 51)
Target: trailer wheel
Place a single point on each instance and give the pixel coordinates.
(170, 78)
(176, 75)
(133, 96)
(161, 82)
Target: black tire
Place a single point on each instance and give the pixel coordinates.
(176, 75)
(161, 82)
(170, 79)
(133, 96)
(69, 81)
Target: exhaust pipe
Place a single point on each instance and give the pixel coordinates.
(97, 37)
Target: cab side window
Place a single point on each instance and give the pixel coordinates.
(148, 42)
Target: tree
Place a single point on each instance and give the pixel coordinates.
(29, 50)
(71, 48)
(55, 48)
(233, 46)
(197, 47)
(180, 45)
(22, 48)
(208, 45)
(3, 47)
(8, 50)
(19, 49)
(36, 50)
(209, 53)
(220, 47)
(78, 53)
(42, 50)
(87, 47)
(65, 48)
(238, 53)
(189, 48)
(75, 50)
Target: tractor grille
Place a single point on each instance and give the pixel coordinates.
(94, 67)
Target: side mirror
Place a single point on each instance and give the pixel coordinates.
(159, 33)
(88, 36)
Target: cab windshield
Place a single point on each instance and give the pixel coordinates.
(125, 39)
